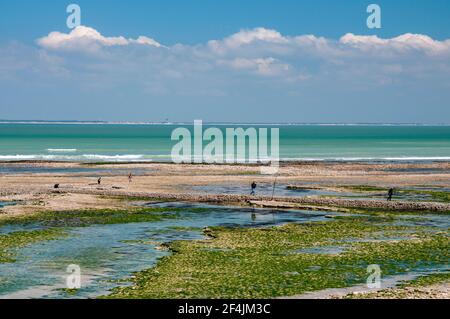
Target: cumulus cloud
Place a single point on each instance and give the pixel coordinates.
(89, 39)
(264, 66)
(247, 37)
(261, 43)
(251, 67)
(256, 52)
(146, 40)
(400, 44)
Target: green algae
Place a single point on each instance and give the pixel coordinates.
(256, 263)
(81, 218)
(364, 188)
(14, 240)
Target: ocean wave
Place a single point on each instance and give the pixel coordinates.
(118, 157)
(61, 150)
(17, 157)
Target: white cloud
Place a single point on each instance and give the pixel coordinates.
(263, 66)
(257, 52)
(146, 40)
(258, 43)
(246, 37)
(261, 40)
(88, 39)
(251, 67)
(400, 44)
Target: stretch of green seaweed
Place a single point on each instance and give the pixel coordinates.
(14, 240)
(80, 218)
(265, 263)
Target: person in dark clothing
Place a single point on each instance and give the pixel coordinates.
(253, 188)
(390, 194)
(99, 180)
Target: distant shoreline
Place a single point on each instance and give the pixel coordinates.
(36, 122)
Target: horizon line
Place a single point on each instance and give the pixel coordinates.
(103, 122)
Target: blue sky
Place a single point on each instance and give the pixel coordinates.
(280, 74)
(195, 21)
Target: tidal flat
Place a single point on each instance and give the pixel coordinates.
(153, 238)
(110, 245)
(266, 262)
(178, 250)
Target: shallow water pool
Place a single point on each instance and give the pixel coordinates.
(106, 254)
(3, 204)
(265, 189)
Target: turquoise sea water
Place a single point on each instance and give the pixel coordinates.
(111, 142)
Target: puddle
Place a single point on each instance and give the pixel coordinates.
(415, 170)
(441, 222)
(110, 253)
(377, 240)
(3, 204)
(264, 189)
(412, 197)
(283, 190)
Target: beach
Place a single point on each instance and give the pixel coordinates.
(182, 181)
(108, 199)
(324, 191)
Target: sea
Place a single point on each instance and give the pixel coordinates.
(113, 142)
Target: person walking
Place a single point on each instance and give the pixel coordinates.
(253, 192)
(130, 177)
(390, 194)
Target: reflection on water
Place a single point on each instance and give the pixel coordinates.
(282, 190)
(264, 189)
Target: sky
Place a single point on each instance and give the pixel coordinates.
(226, 61)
